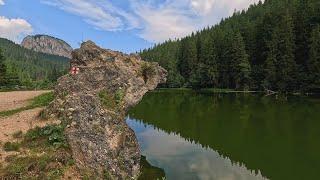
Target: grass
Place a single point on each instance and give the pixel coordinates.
(53, 135)
(39, 101)
(11, 146)
(147, 70)
(48, 154)
(207, 90)
(109, 100)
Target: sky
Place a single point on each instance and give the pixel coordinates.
(124, 25)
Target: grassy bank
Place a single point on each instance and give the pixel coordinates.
(207, 90)
(39, 101)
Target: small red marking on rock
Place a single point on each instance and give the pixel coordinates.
(74, 70)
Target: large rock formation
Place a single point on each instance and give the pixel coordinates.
(94, 103)
(47, 44)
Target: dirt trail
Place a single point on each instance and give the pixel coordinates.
(22, 121)
(17, 99)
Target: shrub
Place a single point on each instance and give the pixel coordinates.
(119, 95)
(147, 70)
(53, 134)
(11, 146)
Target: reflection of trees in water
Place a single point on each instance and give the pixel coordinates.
(281, 138)
(149, 172)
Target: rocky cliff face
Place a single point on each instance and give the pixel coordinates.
(94, 103)
(47, 44)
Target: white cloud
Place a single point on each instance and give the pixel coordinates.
(101, 14)
(157, 21)
(164, 22)
(1, 2)
(178, 18)
(14, 29)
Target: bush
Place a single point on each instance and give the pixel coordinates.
(147, 70)
(53, 134)
(119, 95)
(11, 146)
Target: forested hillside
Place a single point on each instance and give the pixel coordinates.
(23, 67)
(272, 45)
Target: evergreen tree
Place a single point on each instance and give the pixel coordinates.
(240, 66)
(208, 62)
(27, 67)
(314, 60)
(274, 47)
(286, 65)
(270, 71)
(12, 77)
(188, 57)
(2, 70)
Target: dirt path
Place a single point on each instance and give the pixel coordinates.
(17, 99)
(22, 121)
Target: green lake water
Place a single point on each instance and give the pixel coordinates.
(189, 135)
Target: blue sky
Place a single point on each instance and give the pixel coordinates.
(125, 25)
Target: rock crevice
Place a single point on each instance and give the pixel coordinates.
(94, 102)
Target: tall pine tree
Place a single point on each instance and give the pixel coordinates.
(2, 70)
(314, 60)
(240, 66)
(286, 64)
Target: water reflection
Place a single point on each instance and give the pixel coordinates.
(229, 136)
(182, 159)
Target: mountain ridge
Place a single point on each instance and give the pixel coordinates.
(47, 44)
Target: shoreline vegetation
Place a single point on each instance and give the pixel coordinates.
(217, 90)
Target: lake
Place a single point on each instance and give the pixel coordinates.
(226, 136)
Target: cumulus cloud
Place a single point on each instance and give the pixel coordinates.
(1, 2)
(101, 14)
(155, 21)
(178, 18)
(14, 29)
(164, 22)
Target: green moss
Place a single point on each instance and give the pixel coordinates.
(107, 100)
(39, 101)
(111, 101)
(11, 146)
(107, 175)
(119, 95)
(147, 70)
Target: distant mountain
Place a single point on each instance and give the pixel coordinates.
(47, 44)
(32, 67)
